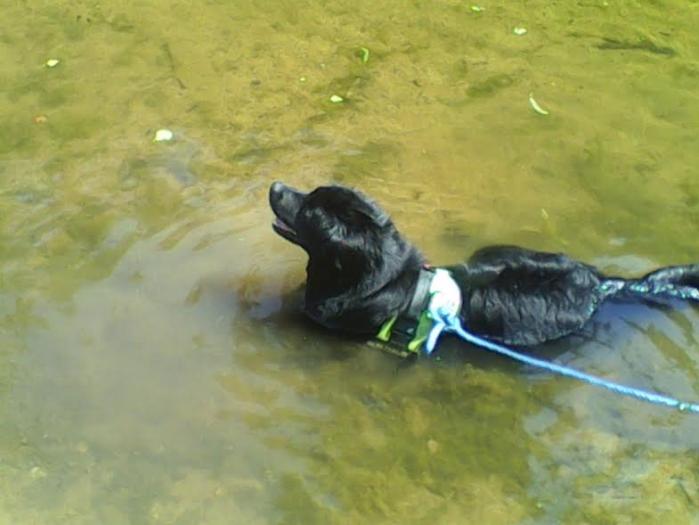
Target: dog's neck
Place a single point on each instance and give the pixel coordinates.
(362, 303)
(436, 295)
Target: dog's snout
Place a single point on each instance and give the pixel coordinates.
(285, 201)
(276, 192)
(276, 187)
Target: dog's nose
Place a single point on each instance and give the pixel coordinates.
(276, 190)
(281, 195)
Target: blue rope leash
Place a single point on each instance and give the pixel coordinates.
(444, 322)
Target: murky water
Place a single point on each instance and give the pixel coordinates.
(152, 367)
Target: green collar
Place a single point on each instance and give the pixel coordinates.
(418, 332)
(407, 332)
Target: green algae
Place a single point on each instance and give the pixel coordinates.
(151, 368)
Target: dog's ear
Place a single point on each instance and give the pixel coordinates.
(347, 253)
(372, 215)
(334, 267)
(363, 209)
(348, 260)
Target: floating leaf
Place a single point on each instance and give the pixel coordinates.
(163, 135)
(364, 54)
(536, 107)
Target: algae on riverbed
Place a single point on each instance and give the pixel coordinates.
(152, 369)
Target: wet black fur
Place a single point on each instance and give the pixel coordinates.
(361, 272)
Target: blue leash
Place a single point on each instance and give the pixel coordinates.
(446, 322)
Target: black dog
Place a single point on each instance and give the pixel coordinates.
(363, 276)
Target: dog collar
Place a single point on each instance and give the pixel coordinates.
(435, 291)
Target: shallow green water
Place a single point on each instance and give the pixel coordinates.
(151, 367)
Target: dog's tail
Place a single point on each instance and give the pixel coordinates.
(678, 282)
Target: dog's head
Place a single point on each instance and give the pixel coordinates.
(353, 247)
(329, 216)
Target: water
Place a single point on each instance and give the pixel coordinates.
(153, 368)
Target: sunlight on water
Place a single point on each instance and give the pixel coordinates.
(153, 364)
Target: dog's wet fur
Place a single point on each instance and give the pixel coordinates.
(362, 272)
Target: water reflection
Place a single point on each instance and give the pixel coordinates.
(153, 366)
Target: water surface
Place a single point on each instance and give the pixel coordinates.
(152, 366)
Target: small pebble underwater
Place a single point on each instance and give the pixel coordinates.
(153, 365)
